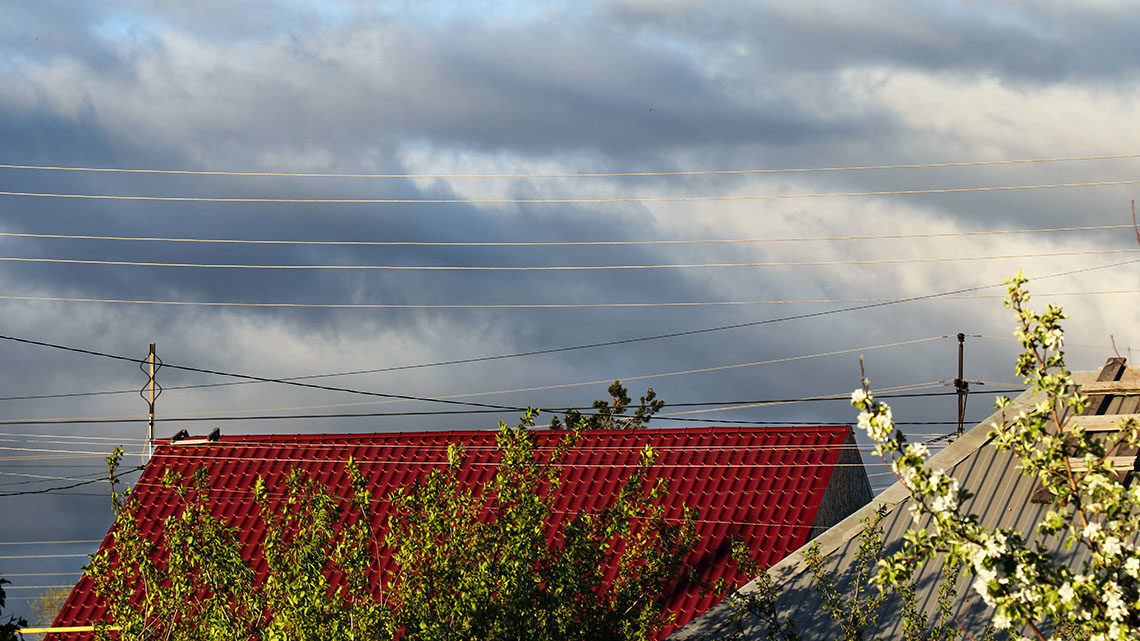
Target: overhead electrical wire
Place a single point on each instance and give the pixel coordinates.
(73, 437)
(734, 303)
(50, 490)
(297, 381)
(8, 448)
(63, 455)
(563, 201)
(194, 172)
(550, 268)
(259, 442)
(253, 441)
(235, 453)
(31, 479)
(74, 542)
(262, 379)
(219, 419)
(28, 574)
(584, 243)
(41, 556)
(607, 381)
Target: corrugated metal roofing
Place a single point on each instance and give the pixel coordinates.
(1002, 498)
(762, 485)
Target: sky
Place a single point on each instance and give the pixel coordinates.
(745, 168)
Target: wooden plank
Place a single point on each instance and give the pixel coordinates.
(1122, 466)
(1112, 370)
(1119, 463)
(1102, 423)
(1121, 388)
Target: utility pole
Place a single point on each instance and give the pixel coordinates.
(961, 385)
(150, 392)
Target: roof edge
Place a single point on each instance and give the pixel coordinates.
(325, 436)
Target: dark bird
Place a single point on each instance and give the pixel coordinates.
(215, 435)
(179, 436)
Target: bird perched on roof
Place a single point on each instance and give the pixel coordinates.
(215, 435)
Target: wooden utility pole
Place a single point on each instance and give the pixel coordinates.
(150, 392)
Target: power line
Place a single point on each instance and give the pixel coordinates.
(29, 574)
(74, 437)
(280, 417)
(552, 268)
(47, 543)
(586, 243)
(191, 172)
(256, 443)
(260, 379)
(41, 478)
(297, 380)
(58, 488)
(495, 392)
(42, 556)
(541, 388)
(562, 201)
(503, 306)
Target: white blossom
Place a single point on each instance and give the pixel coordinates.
(946, 501)
(1132, 567)
(995, 545)
(1110, 546)
(1066, 593)
(981, 584)
(1053, 338)
(915, 511)
(1091, 531)
(1117, 610)
(1001, 621)
(858, 396)
(918, 449)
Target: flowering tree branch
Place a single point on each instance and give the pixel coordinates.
(1024, 583)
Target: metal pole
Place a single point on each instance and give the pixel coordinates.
(961, 385)
(150, 403)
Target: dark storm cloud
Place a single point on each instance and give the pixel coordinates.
(1017, 41)
(350, 87)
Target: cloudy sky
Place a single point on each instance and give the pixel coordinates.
(531, 136)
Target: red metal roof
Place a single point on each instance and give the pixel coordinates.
(762, 485)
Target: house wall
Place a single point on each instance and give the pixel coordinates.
(848, 490)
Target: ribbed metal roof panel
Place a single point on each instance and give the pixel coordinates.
(1002, 498)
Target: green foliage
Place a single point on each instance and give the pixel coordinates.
(610, 415)
(1096, 597)
(854, 608)
(10, 629)
(478, 564)
(195, 585)
(758, 606)
(470, 563)
(308, 534)
(854, 604)
(201, 590)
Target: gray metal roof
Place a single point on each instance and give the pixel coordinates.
(1001, 498)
